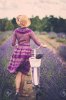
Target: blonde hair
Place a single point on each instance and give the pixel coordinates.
(23, 20)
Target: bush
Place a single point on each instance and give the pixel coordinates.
(44, 33)
(62, 40)
(61, 35)
(52, 35)
(62, 51)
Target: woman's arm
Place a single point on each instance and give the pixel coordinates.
(34, 38)
(14, 39)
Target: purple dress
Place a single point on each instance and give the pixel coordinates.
(20, 58)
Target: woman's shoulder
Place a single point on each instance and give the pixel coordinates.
(15, 30)
(30, 30)
(23, 30)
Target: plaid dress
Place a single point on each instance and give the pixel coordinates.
(20, 55)
(20, 58)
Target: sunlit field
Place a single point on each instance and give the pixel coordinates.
(52, 39)
(4, 36)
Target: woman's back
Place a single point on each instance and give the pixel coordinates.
(22, 35)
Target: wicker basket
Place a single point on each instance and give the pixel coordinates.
(35, 62)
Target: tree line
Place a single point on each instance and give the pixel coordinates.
(48, 24)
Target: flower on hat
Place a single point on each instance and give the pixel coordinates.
(23, 21)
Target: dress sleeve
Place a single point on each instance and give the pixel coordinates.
(34, 38)
(14, 39)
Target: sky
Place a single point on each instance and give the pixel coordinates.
(41, 8)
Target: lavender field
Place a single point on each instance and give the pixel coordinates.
(52, 76)
(52, 71)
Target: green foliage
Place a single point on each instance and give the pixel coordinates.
(2, 40)
(37, 32)
(14, 23)
(62, 51)
(36, 24)
(45, 24)
(52, 35)
(4, 36)
(0, 33)
(62, 40)
(44, 33)
(3, 23)
(9, 26)
(48, 24)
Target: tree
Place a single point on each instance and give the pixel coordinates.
(35, 24)
(9, 26)
(3, 24)
(45, 24)
(14, 23)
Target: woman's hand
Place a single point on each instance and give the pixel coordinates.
(16, 45)
(44, 46)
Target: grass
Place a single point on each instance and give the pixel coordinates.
(0, 33)
(51, 40)
(51, 43)
(52, 35)
(3, 61)
(4, 36)
(61, 40)
(2, 41)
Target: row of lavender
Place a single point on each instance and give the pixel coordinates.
(52, 76)
(59, 38)
(5, 53)
(54, 34)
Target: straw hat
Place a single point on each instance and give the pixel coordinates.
(23, 21)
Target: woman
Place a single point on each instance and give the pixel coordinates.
(19, 61)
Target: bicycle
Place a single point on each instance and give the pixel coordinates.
(35, 62)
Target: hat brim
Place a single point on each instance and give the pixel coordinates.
(28, 22)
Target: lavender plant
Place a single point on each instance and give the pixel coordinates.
(52, 35)
(62, 51)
